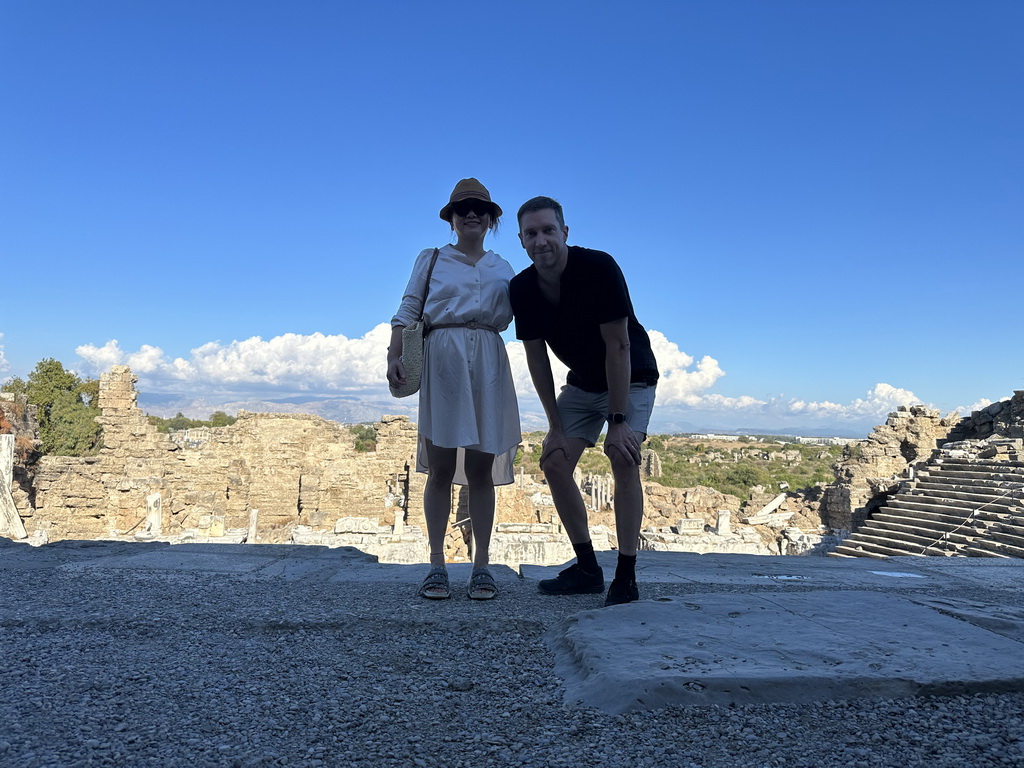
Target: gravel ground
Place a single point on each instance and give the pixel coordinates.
(125, 668)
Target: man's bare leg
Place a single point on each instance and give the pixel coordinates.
(629, 513)
(558, 469)
(585, 577)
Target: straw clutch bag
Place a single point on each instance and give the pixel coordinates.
(412, 346)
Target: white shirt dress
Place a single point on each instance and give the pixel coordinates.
(467, 397)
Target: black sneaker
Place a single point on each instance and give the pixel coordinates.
(573, 581)
(621, 591)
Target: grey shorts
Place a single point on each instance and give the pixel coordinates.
(584, 414)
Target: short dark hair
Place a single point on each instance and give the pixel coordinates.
(541, 203)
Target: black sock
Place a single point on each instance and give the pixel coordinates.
(626, 567)
(585, 557)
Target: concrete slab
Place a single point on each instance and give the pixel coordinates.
(993, 572)
(458, 574)
(776, 647)
(1003, 619)
(22, 556)
(177, 558)
(758, 571)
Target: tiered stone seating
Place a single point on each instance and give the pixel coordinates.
(955, 507)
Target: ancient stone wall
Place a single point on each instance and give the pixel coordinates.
(298, 471)
(1004, 419)
(871, 470)
(301, 474)
(293, 469)
(18, 418)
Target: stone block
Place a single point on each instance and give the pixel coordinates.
(357, 525)
(689, 527)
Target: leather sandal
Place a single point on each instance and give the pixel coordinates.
(482, 585)
(435, 585)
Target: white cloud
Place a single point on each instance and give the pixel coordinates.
(320, 364)
(979, 405)
(677, 386)
(288, 363)
(881, 400)
(4, 365)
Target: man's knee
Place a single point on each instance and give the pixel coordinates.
(623, 466)
(557, 467)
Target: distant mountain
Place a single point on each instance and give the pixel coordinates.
(353, 409)
(346, 410)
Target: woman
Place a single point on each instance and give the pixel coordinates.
(468, 415)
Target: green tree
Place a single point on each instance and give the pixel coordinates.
(66, 408)
(746, 475)
(221, 419)
(90, 390)
(17, 386)
(181, 421)
(366, 438)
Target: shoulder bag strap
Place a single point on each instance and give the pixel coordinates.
(426, 285)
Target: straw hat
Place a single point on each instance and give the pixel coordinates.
(469, 189)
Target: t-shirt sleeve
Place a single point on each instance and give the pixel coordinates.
(524, 310)
(611, 297)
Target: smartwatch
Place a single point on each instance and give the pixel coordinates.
(616, 418)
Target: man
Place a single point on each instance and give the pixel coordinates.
(575, 301)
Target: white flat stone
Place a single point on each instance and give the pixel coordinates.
(775, 647)
(758, 570)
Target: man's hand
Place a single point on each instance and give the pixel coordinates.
(623, 439)
(554, 441)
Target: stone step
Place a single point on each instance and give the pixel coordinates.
(1013, 529)
(950, 507)
(915, 545)
(976, 550)
(1004, 538)
(935, 500)
(1009, 465)
(968, 493)
(918, 534)
(935, 512)
(982, 478)
(881, 546)
(991, 487)
(1005, 550)
(845, 551)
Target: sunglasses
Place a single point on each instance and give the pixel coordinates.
(479, 207)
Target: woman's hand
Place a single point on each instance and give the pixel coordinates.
(396, 372)
(396, 369)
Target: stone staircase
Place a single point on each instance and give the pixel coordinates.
(954, 507)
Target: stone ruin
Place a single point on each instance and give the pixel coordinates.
(271, 478)
(279, 478)
(871, 472)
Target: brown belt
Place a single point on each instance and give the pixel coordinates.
(473, 325)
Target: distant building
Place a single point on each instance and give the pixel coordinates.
(827, 440)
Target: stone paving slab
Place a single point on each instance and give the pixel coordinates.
(741, 628)
(458, 573)
(178, 559)
(780, 647)
(759, 571)
(992, 572)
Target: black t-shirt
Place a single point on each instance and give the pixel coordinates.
(592, 292)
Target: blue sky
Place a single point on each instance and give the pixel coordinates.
(818, 206)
